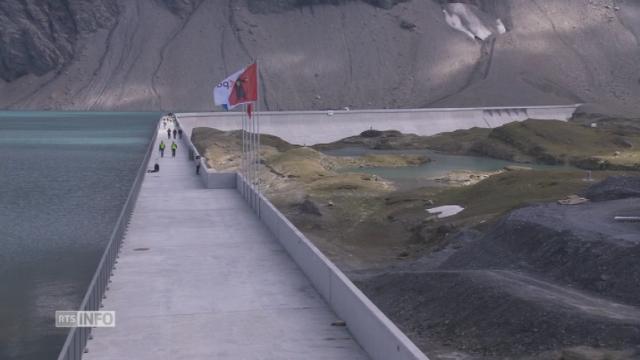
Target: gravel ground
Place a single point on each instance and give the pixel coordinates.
(543, 280)
(615, 187)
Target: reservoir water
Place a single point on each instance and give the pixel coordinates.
(65, 177)
(440, 165)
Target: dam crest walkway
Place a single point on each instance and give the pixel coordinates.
(200, 277)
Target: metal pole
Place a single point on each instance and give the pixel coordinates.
(258, 163)
(242, 152)
(247, 176)
(249, 154)
(250, 159)
(253, 161)
(250, 179)
(255, 164)
(257, 114)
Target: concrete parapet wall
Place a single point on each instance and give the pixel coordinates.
(216, 180)
(211, 178)
(545, 113)
(377, 335)
(313, 127)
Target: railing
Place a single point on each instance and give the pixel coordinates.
(76, 342)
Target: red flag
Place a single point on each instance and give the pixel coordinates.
(245, 88)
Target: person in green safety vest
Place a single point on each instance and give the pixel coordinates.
(162, 146)
(174, 147)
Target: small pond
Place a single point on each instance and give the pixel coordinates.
(440, 165)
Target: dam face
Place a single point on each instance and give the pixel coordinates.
(315, 127)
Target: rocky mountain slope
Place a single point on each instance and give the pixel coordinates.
(538, 283)
(316, 54)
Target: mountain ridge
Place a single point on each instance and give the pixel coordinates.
(167, 55)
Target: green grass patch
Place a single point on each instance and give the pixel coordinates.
(507, 191)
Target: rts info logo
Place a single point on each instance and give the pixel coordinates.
(85, 318)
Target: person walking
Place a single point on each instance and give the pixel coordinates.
(198, 165)
(175, 132)
(180, 133)
(169, 133)
(162, 146)
(174, 147)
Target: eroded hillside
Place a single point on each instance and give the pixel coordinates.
(167, 54)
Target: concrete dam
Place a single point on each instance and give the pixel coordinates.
(314, 127)
(232, 277)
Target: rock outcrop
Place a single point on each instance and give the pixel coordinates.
(40, 36)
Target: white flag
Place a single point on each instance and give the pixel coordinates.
(222, 91)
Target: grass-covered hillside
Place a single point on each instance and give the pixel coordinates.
(613, 144)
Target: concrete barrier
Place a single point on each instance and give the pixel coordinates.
(211, 179)
(377, 335)
(218, 180)
(313, 127)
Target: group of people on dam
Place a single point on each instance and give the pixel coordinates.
(162, 146)
(173, 129)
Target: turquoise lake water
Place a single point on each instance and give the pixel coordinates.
(65, 177)
(440, 165)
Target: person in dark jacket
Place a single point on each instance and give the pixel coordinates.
(180, 133)
(175, 132)
(156, 168)
(169, 133)
(198, 165)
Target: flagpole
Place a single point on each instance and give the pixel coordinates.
(247, 171)
(250, 159)
(251, 131)
(242, 154)
(257, 114)
(249, 155)
(250, 140)
(247, 161)
(253, 160)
